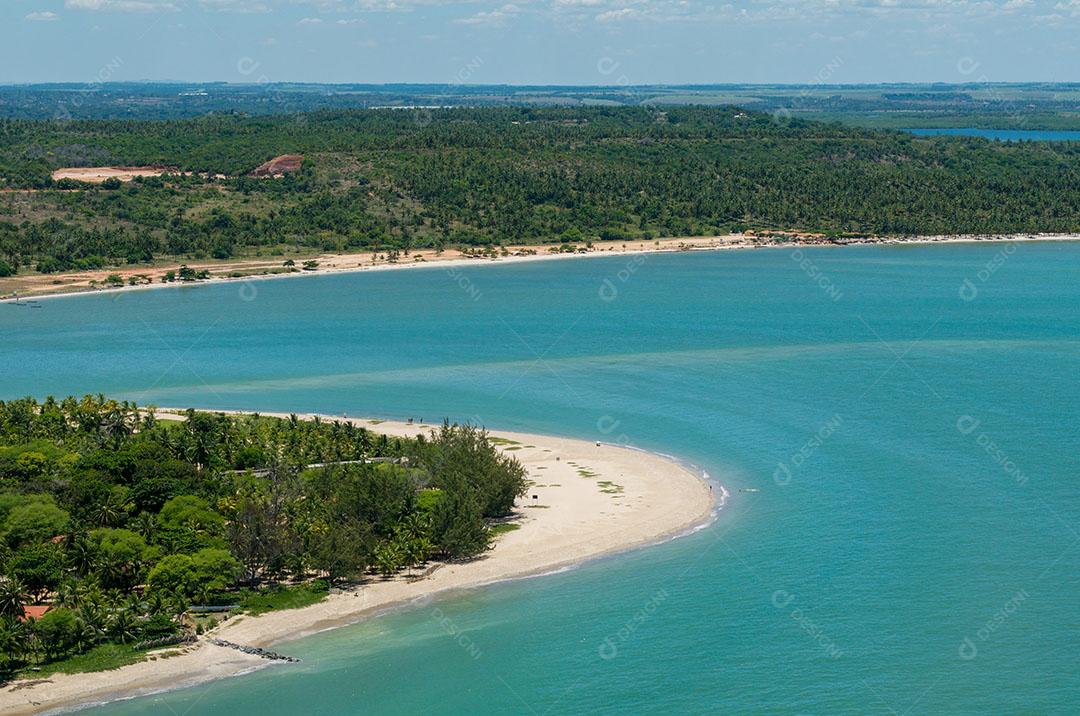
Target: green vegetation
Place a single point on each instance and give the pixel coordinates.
(118, 521)
(504, 527)
(100, 658)
(292, 596)
(384, 181)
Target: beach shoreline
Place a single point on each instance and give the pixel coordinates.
(330, 264)
(587, 500)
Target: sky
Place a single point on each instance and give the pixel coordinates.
(582, 42)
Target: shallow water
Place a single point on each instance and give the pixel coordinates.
(914, 547)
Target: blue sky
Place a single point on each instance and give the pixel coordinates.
(540, 41)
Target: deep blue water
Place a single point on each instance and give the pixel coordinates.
(909, 414)
(1005, 135)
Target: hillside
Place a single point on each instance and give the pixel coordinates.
(398, 179)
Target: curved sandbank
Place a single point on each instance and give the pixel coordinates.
(587, 500)
(77, 283)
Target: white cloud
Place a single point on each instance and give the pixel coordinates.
(623, 13)
(44, 16)
(122, 5)
(241, 6)
(491, 18)
(310, 21)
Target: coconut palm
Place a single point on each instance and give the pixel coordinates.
(124, 625)
(92, 622)
(145, 524)
(15, 638)
(13, 597)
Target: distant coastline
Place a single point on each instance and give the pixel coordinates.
(588, 500)
(257, 269)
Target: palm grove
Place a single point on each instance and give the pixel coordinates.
(392, 180)
(119, 521)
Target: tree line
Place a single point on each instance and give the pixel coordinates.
(397, 179)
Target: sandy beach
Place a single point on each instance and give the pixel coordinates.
(245, 271)
(587, 500)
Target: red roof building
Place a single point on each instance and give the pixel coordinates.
(34, 611)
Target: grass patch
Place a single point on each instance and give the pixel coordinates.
(101, 658)
(504, 527)
(502, 441)
(292, 597)
(587, 473)
(610, 487)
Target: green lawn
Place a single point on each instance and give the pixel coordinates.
(504, 527)
(294, 597)
(100, 658)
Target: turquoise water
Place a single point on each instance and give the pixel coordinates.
(908, 413)
(1005, 135)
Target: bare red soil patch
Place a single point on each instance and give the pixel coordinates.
(279, 166)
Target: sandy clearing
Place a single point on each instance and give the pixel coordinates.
(96, 175)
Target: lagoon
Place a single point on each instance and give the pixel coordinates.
(1004, 135)
(914, 545)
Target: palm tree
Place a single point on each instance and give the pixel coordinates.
(124, 627)
(145, 524)
(82, 554)
(92, 621)
(14, 642)
(111, 511)
(388, 559)
(13, 598)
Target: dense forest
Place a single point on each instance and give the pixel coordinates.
(396, 179)
(119, 521)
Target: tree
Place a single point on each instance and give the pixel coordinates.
(40, 567)
(121, 553)
(463, 455)
(15, 638)
(124, 625)
(92, 620)
(57, 631)
(191, 512)
(339, 548)
(215, 569)
(188, 575)
(458, 526)
(174, 574)
(34, 522)
(12, 597)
